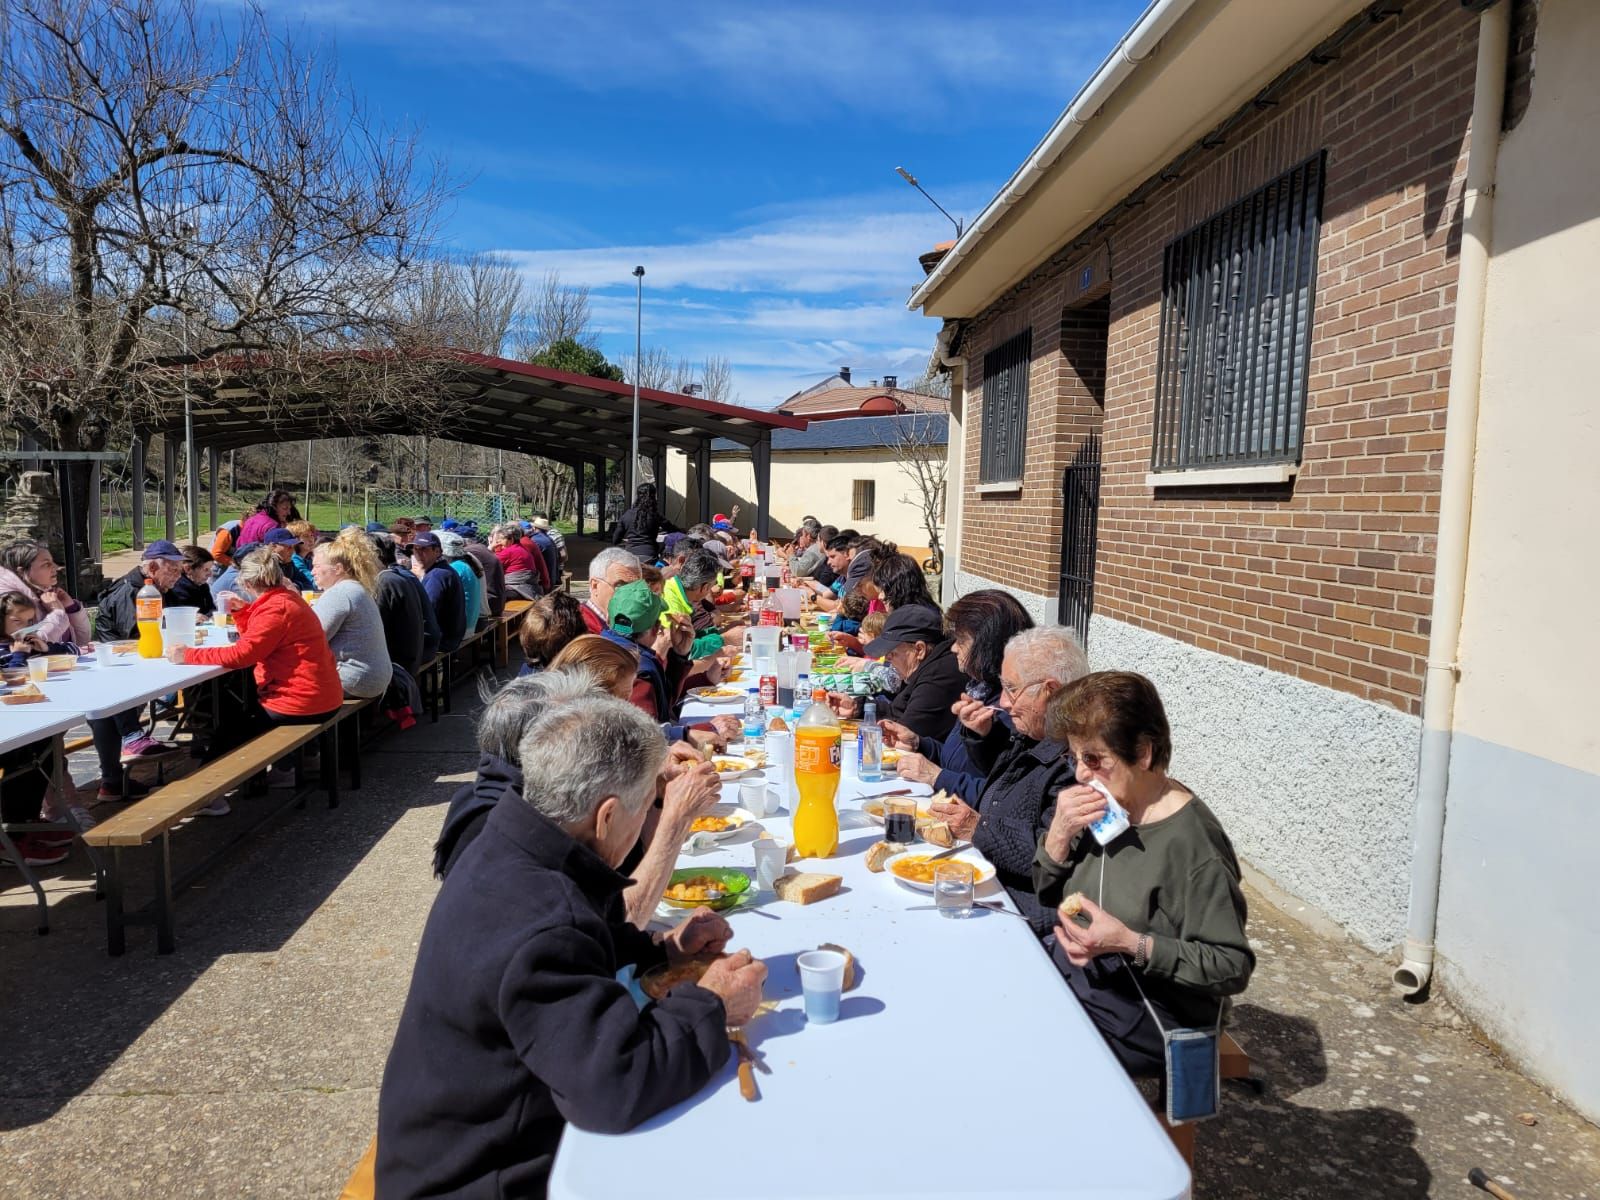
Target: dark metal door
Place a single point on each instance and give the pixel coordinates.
(1080, 509)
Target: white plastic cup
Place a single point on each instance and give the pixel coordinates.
(780, 765)
(753, 796)
(38, 668)
(105, 654)
(771, 858)
(821, 983)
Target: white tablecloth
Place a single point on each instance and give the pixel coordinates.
(946, 1075)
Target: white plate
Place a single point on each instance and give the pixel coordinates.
(984, 868)
(742, 818)
(745, 766)
(703, 694)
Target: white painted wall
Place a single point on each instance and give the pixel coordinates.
(1518, 922)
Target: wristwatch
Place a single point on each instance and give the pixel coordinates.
(1141, 951)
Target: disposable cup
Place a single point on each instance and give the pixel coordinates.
(821, 981)
(753, 797)
(771, 857)
(38, 668)
(780, 764)
(105, 654)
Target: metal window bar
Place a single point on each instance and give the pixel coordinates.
(864, 502)
(1234, 341)
(1080, 502)
(1005, 409)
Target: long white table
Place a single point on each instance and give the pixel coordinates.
(947, 1074)
(93, 691)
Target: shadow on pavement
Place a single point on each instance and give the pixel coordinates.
(70, 1011)
(1270, 1148)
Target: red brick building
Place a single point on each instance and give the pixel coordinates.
(1202, 348)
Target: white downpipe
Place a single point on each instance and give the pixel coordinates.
(1136, 46)
(1455, 499)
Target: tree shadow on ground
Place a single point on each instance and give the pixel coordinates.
(70, 1011)
(1269, 1148)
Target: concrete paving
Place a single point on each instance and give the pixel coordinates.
(247, 1063)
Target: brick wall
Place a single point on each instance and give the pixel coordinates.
(1328, 579)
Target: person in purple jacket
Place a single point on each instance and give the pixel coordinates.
(516, 1022)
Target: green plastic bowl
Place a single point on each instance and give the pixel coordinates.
(736, 883)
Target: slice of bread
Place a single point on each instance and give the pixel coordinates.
(938, 833)
(807, 887)
(849, 963)
(878, 855)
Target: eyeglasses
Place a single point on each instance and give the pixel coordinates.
(1017, 690)
(1092, 760)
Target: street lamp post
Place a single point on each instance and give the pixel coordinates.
(638, 359)
(912, 180)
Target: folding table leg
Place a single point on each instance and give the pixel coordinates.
(116, 926)
(28, 877)
(329, 742)
(165, 943)
(355, 755)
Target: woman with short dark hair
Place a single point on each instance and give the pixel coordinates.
(549, 624)
(900, 581)
(1162, 915)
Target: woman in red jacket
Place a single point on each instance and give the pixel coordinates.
(297, 680)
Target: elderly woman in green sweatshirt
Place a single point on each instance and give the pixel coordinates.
(1160, 914)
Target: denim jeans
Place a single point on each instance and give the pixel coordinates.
(110, 733)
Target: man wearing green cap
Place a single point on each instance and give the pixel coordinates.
(635, 614)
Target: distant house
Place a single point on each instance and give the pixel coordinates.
(837, 396)
(1274, 375)
(845, 472)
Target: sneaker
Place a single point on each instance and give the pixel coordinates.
(33, 852)
(136, 791)
(217, 808)
(55, 838)
(280, 777)
(144, 747)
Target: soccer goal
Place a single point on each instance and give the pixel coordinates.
(484, 506)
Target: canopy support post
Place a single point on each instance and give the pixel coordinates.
(191, 484)
(93, 515)
(137, 500)
(658, 465)
(702, 479)
(169, 484)
(212, 459)
(761, 456)
(600, 493)
(577, 475)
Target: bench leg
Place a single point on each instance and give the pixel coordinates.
(329, 740)
(165, 942)
(116, 927)
(355, 755)
(30, 879)
(449, 680)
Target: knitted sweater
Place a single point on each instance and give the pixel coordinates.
(354, 626)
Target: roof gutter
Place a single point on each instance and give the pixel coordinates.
(1136, 45)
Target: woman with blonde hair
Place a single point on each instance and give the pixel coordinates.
(297, 681)
(346, 571)
(613, 667)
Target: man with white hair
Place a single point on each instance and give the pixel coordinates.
(516, 1023)
(1023, 768)
(608, 571)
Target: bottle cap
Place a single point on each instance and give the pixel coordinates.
(820, 695)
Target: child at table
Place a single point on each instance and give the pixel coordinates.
(18, 611)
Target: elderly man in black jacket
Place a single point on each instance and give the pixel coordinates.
(516, 1022)
(915, 644)
(1023, 768)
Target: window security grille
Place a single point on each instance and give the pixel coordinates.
(1005, 409)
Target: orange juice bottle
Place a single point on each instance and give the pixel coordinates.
(816, 779)
(147, 611)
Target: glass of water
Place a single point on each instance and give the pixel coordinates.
(952, 889)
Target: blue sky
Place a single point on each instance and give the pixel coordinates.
(743, 153)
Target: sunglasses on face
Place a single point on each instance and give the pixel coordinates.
(1094, 761)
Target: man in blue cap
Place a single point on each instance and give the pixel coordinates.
(443, 586)
(283, 544)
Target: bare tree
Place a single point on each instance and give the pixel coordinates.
(932, 382)
(466, 303)
(717, 376)
(920, 449)
(682, 375)
(654, 368)
(558, 312)
(175, 187)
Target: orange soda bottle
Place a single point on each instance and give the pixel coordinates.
(816, 779)
(147, 611)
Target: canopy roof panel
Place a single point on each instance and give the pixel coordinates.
(497, 402)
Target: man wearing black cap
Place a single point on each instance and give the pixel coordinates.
(161, 564)
(443, 586)
(915, 644)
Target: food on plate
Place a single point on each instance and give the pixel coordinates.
(849, 963)
(27, 694)
(1071, 906)
(728, 765)
(62, 662)
(890, 757)
(938, 833)
(696, 890)
(917, 868)
(880, 853)
(806, 887)
(715, 693)
(714, 824)
(657, 982)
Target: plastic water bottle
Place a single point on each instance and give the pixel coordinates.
(869, 760)
(802, 697)
(1115, 821)
(755, 721)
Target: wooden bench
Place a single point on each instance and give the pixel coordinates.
(150, 822)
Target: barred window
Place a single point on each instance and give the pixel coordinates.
(1005, 410)
(864, 503)
(1235, 343)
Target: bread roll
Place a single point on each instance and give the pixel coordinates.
(806, 887)
(878, 855)
(849, 963)
(938, 833)
(1071, 906)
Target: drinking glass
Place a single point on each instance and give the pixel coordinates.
(952, 889)
(821, 981)
(900, 821)
(38, 668)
